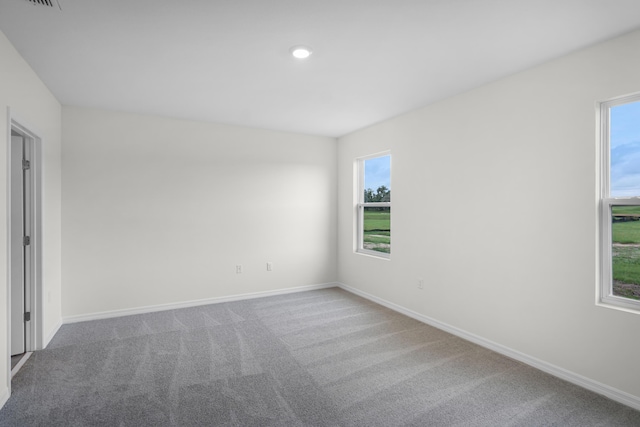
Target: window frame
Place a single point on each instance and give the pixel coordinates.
(361, 204)
(606, 202)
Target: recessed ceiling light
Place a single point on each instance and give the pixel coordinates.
(300, 52)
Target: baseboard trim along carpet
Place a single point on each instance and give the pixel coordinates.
(51, 334)
(4, 396)
(584, 382)
(21, 363)
(187, 304)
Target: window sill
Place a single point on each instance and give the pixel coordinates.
(374, 254)
(621, 304)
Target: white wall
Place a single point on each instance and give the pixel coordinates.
(494, 206)
(32, 103)
(159, 211)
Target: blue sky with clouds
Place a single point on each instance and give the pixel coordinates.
(377, 172)
(625, 150)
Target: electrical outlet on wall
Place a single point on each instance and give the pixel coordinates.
(269, 266)
(238, 269)
(420, 284)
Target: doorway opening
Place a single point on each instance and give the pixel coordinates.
(25, 244)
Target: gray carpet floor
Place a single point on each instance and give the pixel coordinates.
(318, 358)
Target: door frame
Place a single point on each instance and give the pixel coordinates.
(35, 327)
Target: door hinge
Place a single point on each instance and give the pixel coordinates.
(26, 164)
(27, 240)
(27, 316)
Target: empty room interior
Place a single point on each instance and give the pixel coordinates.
(179, 161)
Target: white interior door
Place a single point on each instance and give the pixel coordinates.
(17, 247)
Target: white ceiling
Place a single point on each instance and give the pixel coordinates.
(228, 61)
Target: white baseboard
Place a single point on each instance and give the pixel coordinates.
(187, 304)
(4, 396)
(51, 334)
(584, 382)
(21, 363)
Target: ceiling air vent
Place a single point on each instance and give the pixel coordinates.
(50, 3)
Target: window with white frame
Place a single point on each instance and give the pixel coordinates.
(374, 205)
(620, 202)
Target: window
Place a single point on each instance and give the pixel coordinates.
(620, 202)
(374, 205)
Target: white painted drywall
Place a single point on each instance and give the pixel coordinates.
(33, 104)
(494, 206)
(159, 211)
